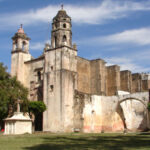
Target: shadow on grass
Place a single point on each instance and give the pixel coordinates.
(144, 133)
(94, 142)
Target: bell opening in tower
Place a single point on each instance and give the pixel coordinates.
(64, 25)
(55, 42)
(23, 45)
(64, 38)
(16, 45)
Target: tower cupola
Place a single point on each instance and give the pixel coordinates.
(61, 30)
(20, 41)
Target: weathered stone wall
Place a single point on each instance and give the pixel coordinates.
(115, 113)
(18, 67)
(145, 82)
(113, 80)
(35, 85)
(79, 104)
(84, 75)
(100, 115)
(125, 81)
(98, 77)
(136, 82)
(145, 85)
(59, 85)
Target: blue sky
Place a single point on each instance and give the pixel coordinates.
(117, 31)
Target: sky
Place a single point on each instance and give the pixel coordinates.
(117, 31)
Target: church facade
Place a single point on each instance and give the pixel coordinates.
(80, 94)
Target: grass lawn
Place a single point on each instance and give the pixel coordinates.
(76, 141)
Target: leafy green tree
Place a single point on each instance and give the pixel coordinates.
(10, 91)
(36, 107)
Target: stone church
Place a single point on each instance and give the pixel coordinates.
(80, 95)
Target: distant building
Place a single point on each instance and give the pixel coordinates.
(80, 94)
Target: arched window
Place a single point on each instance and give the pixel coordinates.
(55, 42)
(51, 88)
(16, 45)
(64, 38)
(64, 25)
(23, 45)
(39, 75)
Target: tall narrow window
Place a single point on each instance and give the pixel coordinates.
(55, 41)
(39, 75)
(23, 45)
(64, 38)
(51, 88)
(15, 45)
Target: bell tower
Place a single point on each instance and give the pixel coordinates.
(20, 54)
(20, 41)
(60, 76)
(61, 30)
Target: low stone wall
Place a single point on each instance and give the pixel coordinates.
(114, 113)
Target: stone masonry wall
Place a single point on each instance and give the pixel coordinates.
(113, 80)
(98, 77)
(83, 80)
(115, 113)
(125, 81)
(32, 80)
(136, 82)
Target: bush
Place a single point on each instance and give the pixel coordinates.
(36, 107)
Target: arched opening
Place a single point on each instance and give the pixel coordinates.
(122, 117)
(39, 75)
(51, 88)
(23, 45)
(64, 38)
(15, 45)
(55, 41)
(64, 25)
(133, 113)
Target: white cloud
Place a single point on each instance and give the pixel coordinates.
(37, 46)
(94, 14)
(136, 36)
(127, 64)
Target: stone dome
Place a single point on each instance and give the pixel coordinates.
(61, 14)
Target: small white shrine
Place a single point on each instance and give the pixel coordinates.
(18, 123)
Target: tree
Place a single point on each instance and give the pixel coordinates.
(10, 91)
(36, 109)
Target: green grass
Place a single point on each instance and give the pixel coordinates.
(76, 141)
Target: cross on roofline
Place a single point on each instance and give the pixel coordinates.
(21, 25)
(62, 6)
